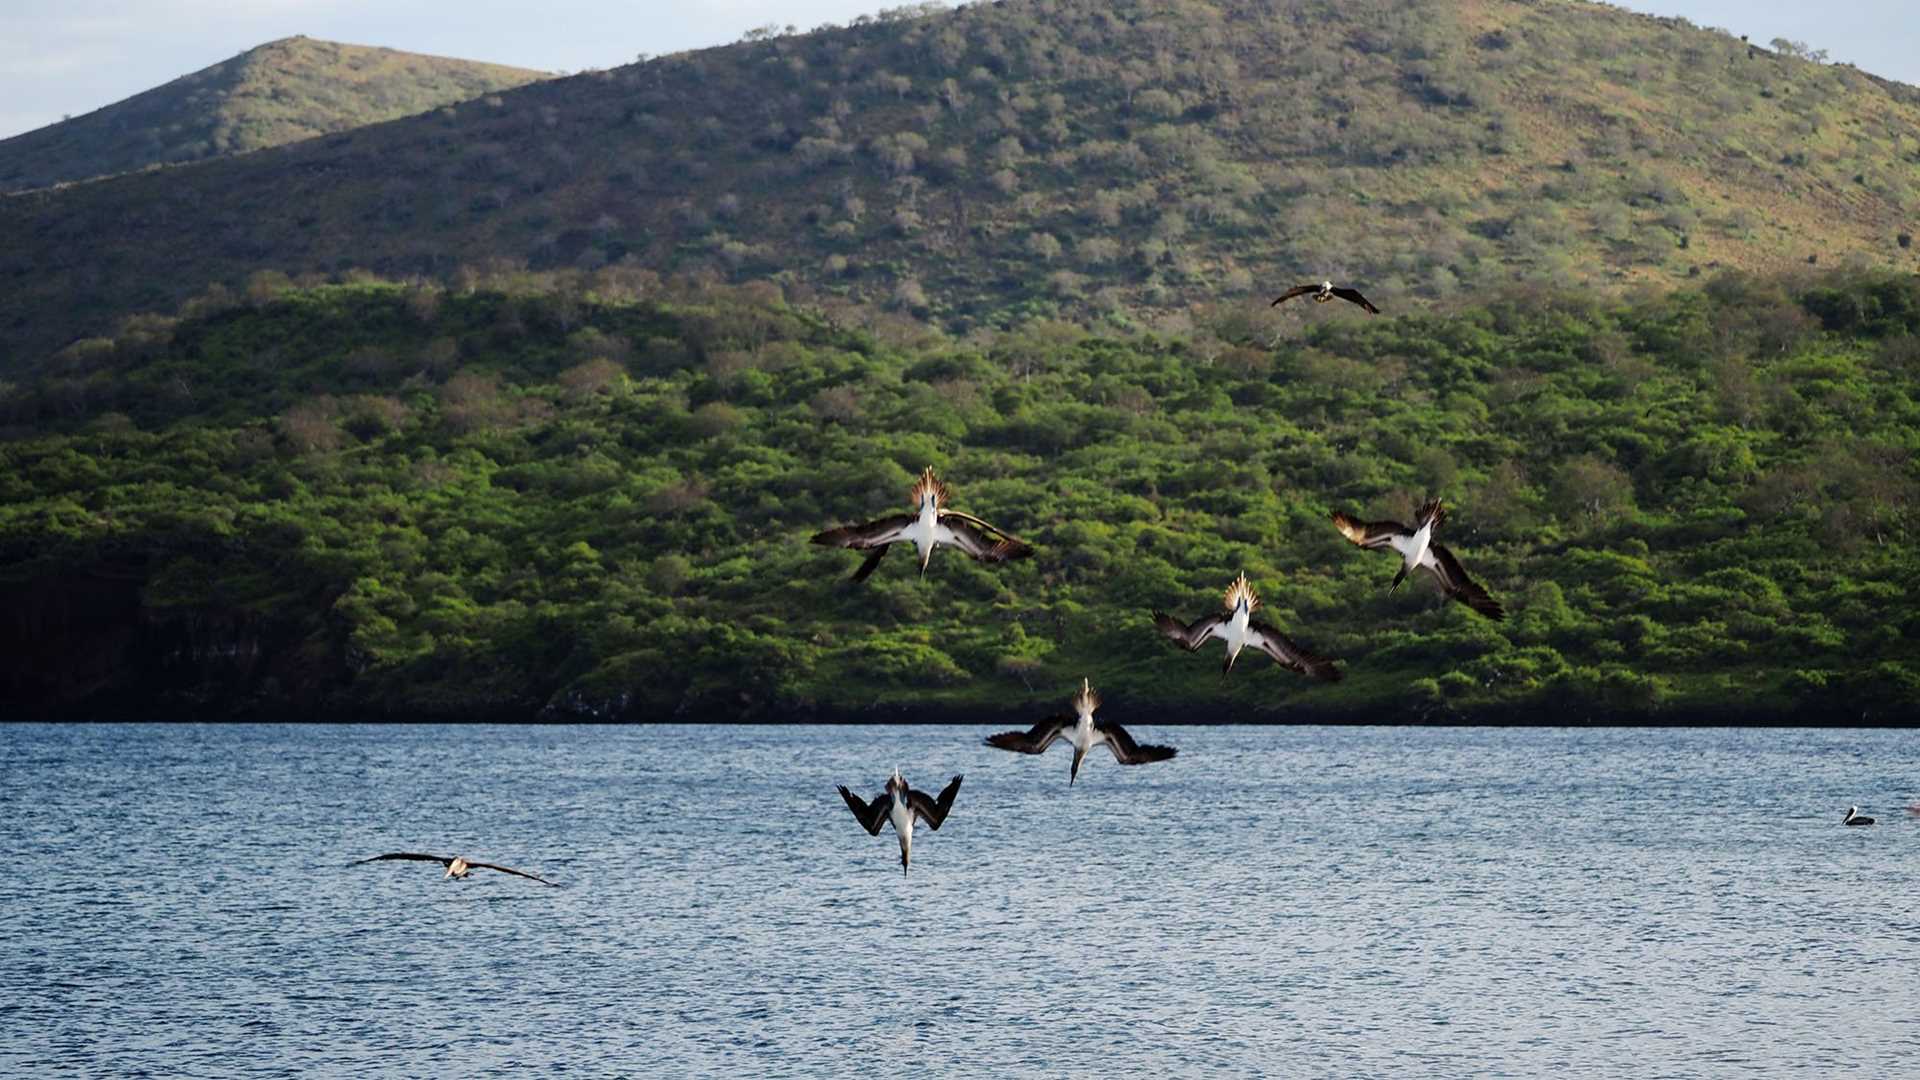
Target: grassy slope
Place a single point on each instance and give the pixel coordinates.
(493, 503)
(278, 93)
(1101, 160)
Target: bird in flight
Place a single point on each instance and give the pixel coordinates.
(931, 525)
(1418, 551)
(457, 867)
(901, 805)
(1084, 733)
(1237, 629)
(1324, 292)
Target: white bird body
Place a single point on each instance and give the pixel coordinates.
(901, 814)
(927, 532)
(1234, 630)
(1415, 551)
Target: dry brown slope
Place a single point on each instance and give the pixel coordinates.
(1036, 156)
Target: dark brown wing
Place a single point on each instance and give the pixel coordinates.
(410, 856)
(1354, 296)
(1297, 290)
(981, 540)
(872, 560)
(1035, 739)
(1455, 583)
(873, 534)
(871, 815)
(1189, 636)
(1128, 752)
(510, 870)
(1369, 534)
(933, 811)
(1290, 655)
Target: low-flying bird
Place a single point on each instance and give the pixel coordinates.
(1855, 817)
(931, 525)
(457, 867)
(1324, 292)
(901, 804)
(1084, 732)
(1236, 628)
(1418, 551)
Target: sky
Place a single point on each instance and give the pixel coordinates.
(63, 58)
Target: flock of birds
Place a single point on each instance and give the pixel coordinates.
(934, 524)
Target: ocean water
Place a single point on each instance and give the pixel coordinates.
(1274, 901)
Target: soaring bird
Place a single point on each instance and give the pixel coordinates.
(1084, 732)
(1235, 627)
(457, 867)
(1324, 292)
(1855, 817)
(901, 804)
(931, 525)
(1419, 552)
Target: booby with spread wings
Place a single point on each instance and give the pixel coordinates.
(457, 866)
(1324, 292)
(930, 526)
(1418, 551)
(1084, 733)
(1237, 629)
(902, 805)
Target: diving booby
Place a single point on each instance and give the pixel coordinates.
(900, 804)
(1324, 292)
(1854, 817)
(930, 526)
(1236, 628)
(1419, 552)
(457, 867)
(1084, 732)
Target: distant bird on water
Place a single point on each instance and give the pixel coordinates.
(1418, 551)
(1324, 292)
(457, 867)
(1084, 732)
(1237, 630)
(900, 805)
(931, 525)
(1855, 817)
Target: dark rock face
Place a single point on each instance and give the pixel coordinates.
(86, 644)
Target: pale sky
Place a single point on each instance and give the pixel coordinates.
(68, 57)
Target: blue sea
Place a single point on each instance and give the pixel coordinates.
(1276, 901)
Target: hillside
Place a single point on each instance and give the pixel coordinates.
(281, 92)
(559, 498)
(1094, 159)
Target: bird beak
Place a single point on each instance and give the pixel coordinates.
(1074, 772)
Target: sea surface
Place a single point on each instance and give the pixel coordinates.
(1369, 902)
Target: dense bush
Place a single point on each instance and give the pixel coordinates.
(539, 496)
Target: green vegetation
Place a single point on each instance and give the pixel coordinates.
(281, 92)
(589, 496)
(1104, 161)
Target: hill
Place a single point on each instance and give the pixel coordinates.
(278, 93)
(564, 498)
(1096, 160)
